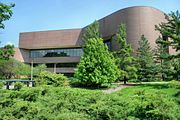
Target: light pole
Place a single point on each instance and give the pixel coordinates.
(31, 69)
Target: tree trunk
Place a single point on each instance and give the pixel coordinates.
(125, 80)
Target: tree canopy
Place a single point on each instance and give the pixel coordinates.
(124, 59)
(171, 30)
(146, 71)
(97, 65)
(5, 13)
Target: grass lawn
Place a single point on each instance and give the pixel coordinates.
(158, 87)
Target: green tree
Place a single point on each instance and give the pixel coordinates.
(124, 58)
(38, 69)
(171, 31)
(13, 69)
(97, 65)
(5, 13)
(147, 67)
(7, 52)
(7, 70)
(92, 31)
(21, 69)
(163, 61)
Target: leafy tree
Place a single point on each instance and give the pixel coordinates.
(7, 70)
(92, 31)
(5, 13)
(21, 69)
(13, 69)
(97, 66)
(124, 59)
(146, 71)
(38, 69)
(7, 52)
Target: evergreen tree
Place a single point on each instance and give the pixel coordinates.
(163, 61)
(97, 65)
(147, 68)
(124, 59)
(92, 31)
(171, 30)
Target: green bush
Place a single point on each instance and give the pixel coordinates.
(74, 82)
(30, 94)
(71, 116)
(49, 78)
(174, 84)
(18, 85)
(56, 103)
(1, 85)
(153, 105)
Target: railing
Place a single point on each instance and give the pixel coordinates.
(9, 82)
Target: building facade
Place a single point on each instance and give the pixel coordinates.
(60, 50)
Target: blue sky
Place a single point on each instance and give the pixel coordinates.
(39, 15)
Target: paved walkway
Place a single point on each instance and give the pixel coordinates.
(111, 90)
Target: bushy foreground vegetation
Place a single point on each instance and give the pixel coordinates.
(155, 102)
(49, 78)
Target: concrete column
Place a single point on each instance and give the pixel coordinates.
(54, 67)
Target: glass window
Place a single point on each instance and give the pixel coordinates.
(56, 52)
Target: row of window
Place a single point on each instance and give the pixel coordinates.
(61, 65)
(56, 53)
(61, 52)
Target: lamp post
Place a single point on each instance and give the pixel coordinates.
(31, 69)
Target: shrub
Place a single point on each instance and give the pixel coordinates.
(174, 84)
(54, 79)
(56, 103)
(1, 85)
(30, 95)
(153, 105)
(71, 116)
(18, 85)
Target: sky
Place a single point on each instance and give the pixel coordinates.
(41, 15)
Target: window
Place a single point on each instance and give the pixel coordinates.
(108, 43)
(61, 65)
(68, 52)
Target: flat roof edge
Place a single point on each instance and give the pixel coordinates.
(53, 30)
